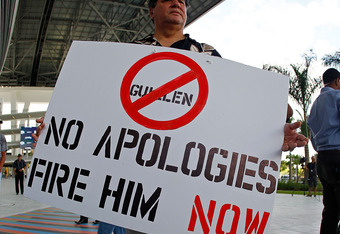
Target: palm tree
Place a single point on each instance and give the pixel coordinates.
(293, 163)
(332, 60)
(301, 87)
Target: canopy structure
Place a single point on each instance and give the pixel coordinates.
(45, 29)
(8, 9)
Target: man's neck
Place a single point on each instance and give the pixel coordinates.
(168, 37)
(333, 86)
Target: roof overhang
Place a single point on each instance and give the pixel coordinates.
(45, 29)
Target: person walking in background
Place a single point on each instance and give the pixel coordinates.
(19, 167)
(324, 123)
(312, 178)
(3, 148)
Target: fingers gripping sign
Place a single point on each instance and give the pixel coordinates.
(39, 129)
(291, 138)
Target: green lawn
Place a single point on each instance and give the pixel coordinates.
(295, 192)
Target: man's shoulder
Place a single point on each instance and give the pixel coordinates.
(329, 91)
(206, 47)
(328, 95)
(203, 47)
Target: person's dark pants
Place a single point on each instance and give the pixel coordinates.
(328, 169)
(19, 178)
(107, 228)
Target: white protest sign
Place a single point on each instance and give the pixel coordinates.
(161, 140)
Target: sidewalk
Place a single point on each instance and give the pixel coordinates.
(11, 204)
(295, 214)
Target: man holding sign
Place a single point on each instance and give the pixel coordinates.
(170, 33)
(169, 17)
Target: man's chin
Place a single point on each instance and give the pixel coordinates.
(176, 21)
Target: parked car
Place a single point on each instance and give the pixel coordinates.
(285, 178)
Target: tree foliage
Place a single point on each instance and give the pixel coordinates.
(304, 129)
(332, 59)
(293, 165)
(284, 165)
(301, 87)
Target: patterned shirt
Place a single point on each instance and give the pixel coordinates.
(3, 144)
(185, 44)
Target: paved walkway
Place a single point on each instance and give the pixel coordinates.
(292, 214)
(45, 221)
(296, 214)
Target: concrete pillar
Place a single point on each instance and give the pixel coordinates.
(14, 106)
(1, 103)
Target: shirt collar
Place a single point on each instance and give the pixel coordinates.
(153, 41)
(325, 89)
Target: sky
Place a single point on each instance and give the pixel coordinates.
(276, 32)
(270, 31)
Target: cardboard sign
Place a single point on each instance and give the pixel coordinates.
(161, 140)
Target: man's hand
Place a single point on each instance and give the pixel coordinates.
(39, 128)
(291, 138)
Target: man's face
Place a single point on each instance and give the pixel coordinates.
(19, 158)
(169, 12)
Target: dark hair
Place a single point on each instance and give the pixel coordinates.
(330, 75)
(152, 3)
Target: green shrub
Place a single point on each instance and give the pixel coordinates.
(290, 185)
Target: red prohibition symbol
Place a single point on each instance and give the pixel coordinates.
(195, 73)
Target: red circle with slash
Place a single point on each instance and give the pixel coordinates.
(195, 73)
